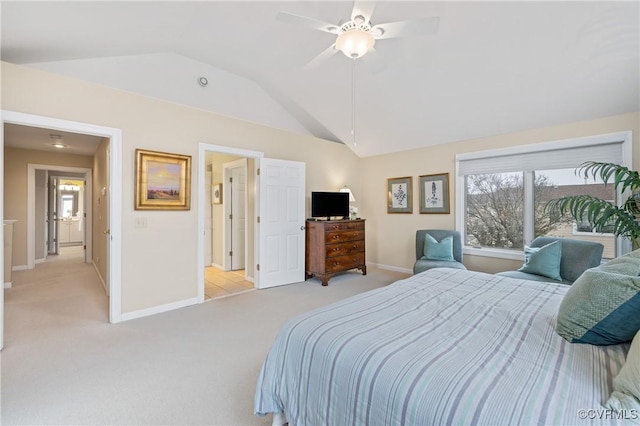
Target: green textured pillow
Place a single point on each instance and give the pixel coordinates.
(602, 307)
(543, 260)
(625, 397)
(629, 264)
(438, 250)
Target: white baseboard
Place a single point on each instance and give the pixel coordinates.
(40, 260)
(158, 309)
(215, 265)
(391, 268)
(19, 268)
(8, 285)
(104, 284)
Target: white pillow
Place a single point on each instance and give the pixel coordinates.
(625, 398)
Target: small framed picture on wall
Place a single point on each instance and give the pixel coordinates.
(216, 193)
(399, 195)
(434, 193)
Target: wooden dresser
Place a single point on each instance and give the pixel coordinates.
(334, 246)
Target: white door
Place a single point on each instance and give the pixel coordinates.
(208, 223)
(53, 218)
(281, 223)
(105, 195)
(235, 213)
(239, 216)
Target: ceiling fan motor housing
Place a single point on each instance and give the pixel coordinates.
(355, 39)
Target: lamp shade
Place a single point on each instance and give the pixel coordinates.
(355, 43)
(345, 188)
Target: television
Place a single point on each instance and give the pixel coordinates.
(330, 204)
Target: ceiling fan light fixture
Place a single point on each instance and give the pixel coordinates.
(355, 43)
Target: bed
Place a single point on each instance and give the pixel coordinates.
(445, 346)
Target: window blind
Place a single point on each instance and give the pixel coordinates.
(542, 158)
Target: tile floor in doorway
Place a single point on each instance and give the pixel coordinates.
(218, 283)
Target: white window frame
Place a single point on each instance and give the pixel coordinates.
(623, 245)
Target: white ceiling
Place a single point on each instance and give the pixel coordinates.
(491, 68)
(26, 137)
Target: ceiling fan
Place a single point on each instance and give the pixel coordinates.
(357, 36)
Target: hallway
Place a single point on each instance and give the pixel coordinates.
(56, 293)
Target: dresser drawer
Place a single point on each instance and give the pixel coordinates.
(342, 236)
(343, 263)
(344, 226)
(341, 249)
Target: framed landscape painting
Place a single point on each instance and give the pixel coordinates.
(163, 181)
(434, 193)
(399, 195)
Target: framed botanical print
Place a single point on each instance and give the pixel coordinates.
(163, 181)
(399, 195)
(434, 193)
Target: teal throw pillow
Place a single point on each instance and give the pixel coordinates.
(543, 260)
(626, 386)
(602, 307)
(438, 250)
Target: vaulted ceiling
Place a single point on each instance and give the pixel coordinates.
(490, 68)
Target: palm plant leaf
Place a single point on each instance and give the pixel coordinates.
(600, 213)
(622, 176)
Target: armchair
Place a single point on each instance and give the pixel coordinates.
(422, 263)
(576, 257)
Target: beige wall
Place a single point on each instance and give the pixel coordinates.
(15, 189)
(391, 237)
(159, 263)
(100, 210)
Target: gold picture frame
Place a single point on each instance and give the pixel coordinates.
(434, 194)
(400, 195)
(163, 181)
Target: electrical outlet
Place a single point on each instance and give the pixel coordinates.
(141, 222)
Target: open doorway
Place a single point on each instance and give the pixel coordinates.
(213, 264)
(111, 137)
(275, 236)
(61, 213)
(227, 241)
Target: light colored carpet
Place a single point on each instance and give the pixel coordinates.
(63, 363)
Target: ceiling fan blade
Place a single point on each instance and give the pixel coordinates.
(414, 27)
(363, 8)
(308, 22)
(323, 56)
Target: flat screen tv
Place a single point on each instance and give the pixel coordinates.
(330, 204)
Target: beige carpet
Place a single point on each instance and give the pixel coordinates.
(63, 363)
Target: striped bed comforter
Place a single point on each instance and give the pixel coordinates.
(442, 347)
